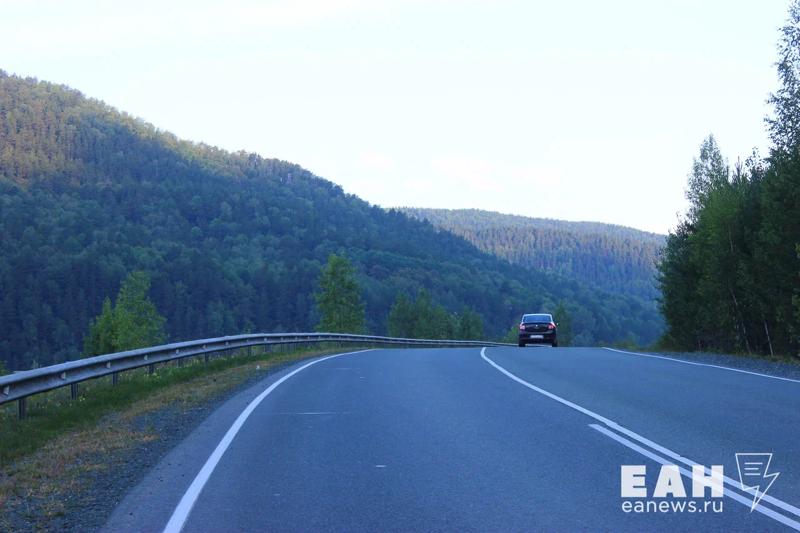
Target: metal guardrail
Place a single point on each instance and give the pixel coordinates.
(20, 385)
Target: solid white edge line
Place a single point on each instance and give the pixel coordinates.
(703, 364)
(610, 423)
(184, 507)
(767, 497)
(732, 482)
(747, 502)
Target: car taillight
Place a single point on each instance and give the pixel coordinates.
(551, 326)
(522, 327)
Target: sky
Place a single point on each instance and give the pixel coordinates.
(576, 110)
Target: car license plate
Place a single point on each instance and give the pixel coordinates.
(537, 336)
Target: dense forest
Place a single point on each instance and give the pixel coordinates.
(730, 274)
(231, 242)
(613, 258)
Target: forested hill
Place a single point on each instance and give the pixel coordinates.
(615, 258)
(233, 242)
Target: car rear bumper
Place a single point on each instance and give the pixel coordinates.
(530, 338)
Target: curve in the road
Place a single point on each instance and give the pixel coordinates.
(732, 484)
(181, 513)
(445, 439)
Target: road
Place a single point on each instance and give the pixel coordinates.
(500, 439)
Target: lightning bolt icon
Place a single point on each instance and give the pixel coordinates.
(754, 473)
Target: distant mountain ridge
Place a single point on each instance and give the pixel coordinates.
(614, 258)
(233, 242)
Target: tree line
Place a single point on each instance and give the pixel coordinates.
(615, 258)
(730, 271)
(421, 318)
(342, 309)
(232, 242)
(133, 321)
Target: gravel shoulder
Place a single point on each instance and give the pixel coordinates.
(75, 482)
(778, 367)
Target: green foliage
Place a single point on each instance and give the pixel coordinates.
(133, 322)
(137, 322)
(564, 320)
(339, 298)
(796, 297)
(614, 258)
(512, 335)
(3, 369)
(402, 321)
(102, 337)
(729, 273)
(234, 242)
(709, 173)
(678, 275)
(470, 325)
(784, 126)
(626, 344)
(424, 319)
(431, 321)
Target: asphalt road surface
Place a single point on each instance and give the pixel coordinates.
(499, 439)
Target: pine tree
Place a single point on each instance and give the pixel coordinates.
(339, 298)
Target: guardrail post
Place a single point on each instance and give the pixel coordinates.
(22, 408)
(223, 347)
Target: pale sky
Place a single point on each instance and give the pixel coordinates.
(578, 110)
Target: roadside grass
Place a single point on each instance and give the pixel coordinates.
(668, 349)
(786, 359)
(45, 458)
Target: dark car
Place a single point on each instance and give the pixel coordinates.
(538, 329)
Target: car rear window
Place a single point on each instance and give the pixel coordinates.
(537, 318)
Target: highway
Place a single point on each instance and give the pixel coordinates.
(471, 439)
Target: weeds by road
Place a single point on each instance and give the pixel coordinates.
(50, 460)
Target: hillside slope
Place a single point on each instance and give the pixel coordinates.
(614, 258)
(233, 242)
